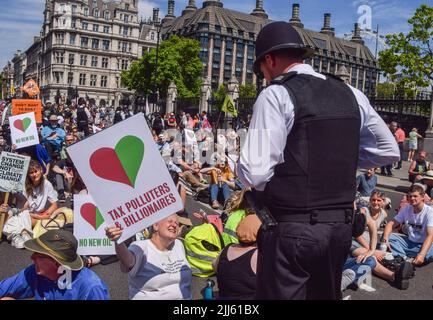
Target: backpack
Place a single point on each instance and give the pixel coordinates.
(203, 196)
(81, 116)
(117, 117)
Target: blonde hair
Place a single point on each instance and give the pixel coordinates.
(238, 202)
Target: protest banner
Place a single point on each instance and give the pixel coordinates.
(24, 132)
(89, 228)
(13, 171)
(31, 88)
(126, 176)
(20, 106)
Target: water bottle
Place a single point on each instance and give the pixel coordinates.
(208, 290)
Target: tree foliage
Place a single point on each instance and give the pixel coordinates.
(221, 93)
(178, 61)
(247, 91)
(411, 54)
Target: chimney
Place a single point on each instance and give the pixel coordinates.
(155, 15)
(357, 35)
(170, 13)
(296, 21)
(190, 7)
(327, 25)
(259, 11)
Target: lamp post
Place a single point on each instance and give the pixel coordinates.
(158, 26)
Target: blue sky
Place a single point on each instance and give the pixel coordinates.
(21, 20)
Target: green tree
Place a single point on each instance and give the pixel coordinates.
(247, 91)
(178, 61)
(412, 54)
(221, 93)
(385, 90)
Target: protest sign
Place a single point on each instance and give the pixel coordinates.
(89, 228)
(24, 132)
(126, 176)
(13, 172)
(20, 106)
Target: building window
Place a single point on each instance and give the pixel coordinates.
(117, 82)
(126, 6)
(58, 77)
(95, 28)
(218, 28)
(105, 63)
(83, 60)
(107, 15)
(94, 61)
(105, 45)
(96, 13)
(84, 25)
(86, 11)
(59, 57)
(72, 39)
(74, 23)
(84, 42)
(95, 44)
(125, 31)
(60, 38)
(106, 29)
(152, 36)
(93, 79)
(71, 58)
(103, 81)
(70, 77)
(123, 46)
(125, 64)
(125, 18)
(74, 9)
(82, 79)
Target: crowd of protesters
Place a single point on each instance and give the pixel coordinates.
(202, 162)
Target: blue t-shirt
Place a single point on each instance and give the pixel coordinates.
(86, 285)
(366, 186)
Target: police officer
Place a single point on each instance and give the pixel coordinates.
(308, 134)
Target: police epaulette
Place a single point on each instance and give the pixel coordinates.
(330, 75)
(283, 77)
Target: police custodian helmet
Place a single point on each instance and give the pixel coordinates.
(279, 35)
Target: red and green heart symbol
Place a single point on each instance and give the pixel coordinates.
(92, 215)
(120, 164)
(22, 124)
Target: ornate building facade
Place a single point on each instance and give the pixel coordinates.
(227, 40)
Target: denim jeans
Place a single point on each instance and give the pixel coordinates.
(359, 268)
(214, 190)
(403, 247)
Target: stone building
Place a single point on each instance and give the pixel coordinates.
(227, 40)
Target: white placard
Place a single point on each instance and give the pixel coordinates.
(126, 176)
(24, 132)
(89, 228)
(13, 172)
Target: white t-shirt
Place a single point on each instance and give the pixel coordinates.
(417, 223)
(42, 198)
(159, 275)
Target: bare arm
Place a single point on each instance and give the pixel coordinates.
(125, 256)
(425, 247)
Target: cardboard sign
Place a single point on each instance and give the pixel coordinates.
(31, 88)
(26, 106)
(13, 172)
(24, 132)
(89, 228)
(126, 176)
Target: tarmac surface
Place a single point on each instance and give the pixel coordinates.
(420, 288)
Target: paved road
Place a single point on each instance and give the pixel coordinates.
(13, 260)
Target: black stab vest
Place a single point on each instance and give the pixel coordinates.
(321, 153)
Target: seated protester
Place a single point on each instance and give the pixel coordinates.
(40, 153)
(417, 220)
(194, 177)
(418, 167)
(354, 269)
(427, 180)
(236, 266)
(237, 208)
(157, 267)
(54, 249)
(222, 179)
(405, 200)
(365, 245)
(366, 183)
(52, 135)
(63, 173)
(41, 202)
(162, 145)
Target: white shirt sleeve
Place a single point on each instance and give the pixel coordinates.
(51, 193)
(377, 145)
(263, 149)
(401, 216)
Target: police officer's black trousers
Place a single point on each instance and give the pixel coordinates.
(299, 261)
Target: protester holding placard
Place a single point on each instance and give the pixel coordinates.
(41, 202)
(57, 272)
(157, 267)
